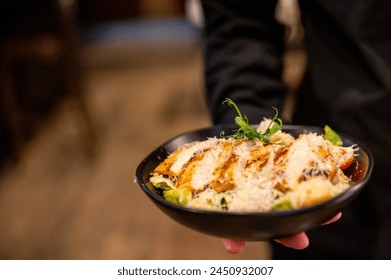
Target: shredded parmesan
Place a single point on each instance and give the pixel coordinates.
(249, 175)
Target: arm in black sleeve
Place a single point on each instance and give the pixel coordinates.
(243, 47)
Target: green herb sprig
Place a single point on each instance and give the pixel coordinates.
(245, 130)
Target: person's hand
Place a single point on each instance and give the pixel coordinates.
(298, 241)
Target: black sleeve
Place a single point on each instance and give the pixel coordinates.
(243, 47)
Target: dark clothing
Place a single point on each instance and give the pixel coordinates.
(347, 86)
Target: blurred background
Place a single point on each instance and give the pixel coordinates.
(87, 89)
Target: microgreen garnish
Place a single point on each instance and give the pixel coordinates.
(245, 130)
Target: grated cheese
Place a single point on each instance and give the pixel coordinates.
(249, 175)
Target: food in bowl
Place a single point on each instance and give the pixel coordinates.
(255, 170)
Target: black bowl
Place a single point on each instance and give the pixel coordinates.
(252, 226)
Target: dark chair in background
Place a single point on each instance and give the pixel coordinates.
(54, 45)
